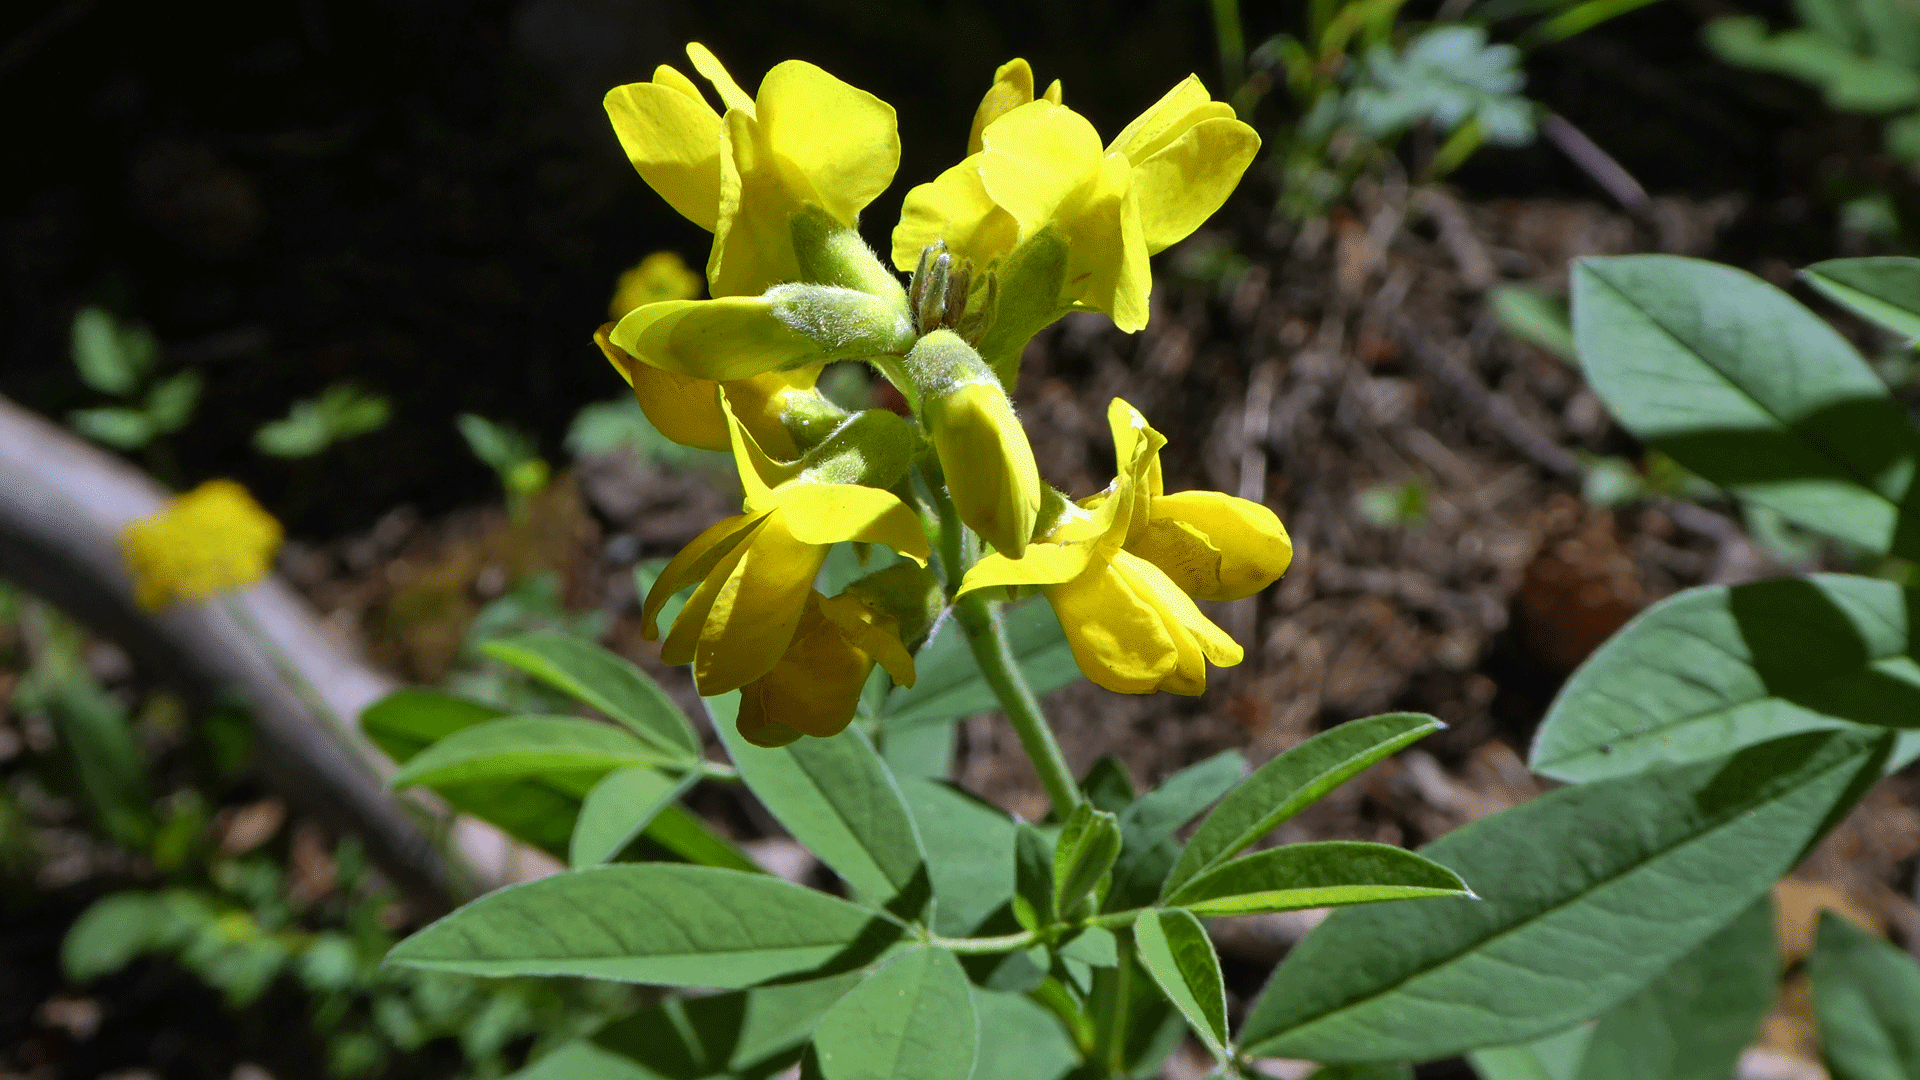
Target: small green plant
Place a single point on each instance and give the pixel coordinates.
(313, 424)
(117, 358)
(512, 455)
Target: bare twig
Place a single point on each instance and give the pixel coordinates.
(1596, 163)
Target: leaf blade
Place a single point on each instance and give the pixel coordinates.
(603, 680)
(912, 1020)
(1175, 950)
(522, 747)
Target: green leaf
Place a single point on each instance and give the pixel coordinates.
(1175, 950)
(1324, 874)
(1851, 82)
(119, 927)
(498, 446)
(1556, 1057)
(520, 747)
(598, 678)
(122, 429)
(619, 808)
(969, 846)
(1883, 289)
(1371, 1070)
(836, 797)
(1032, 877)
(912, 1020)
(1694, 1020)
(948, 684)
(753, 1032)
(1534, 318)
(1289, 784)
(681, 832)
(1662, 860)
(110, 357)
(409, 720)
(650, 923)
(1147, 825)
(922, 750)
(170, 403)
(1711, 670)
(1866, 995)
(1088, 845)
(1020, 1039)
(1742, 385)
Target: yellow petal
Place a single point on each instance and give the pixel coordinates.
(760, 404)
(1118, 637)
(1180, 185)
(715, 72)
(1213, 545)
(1177, 110)
(835, 146)
(1039, 159)
(1069, 548)
(955, 208)
(662, 275)
(989, 464)
(815, 687)
(872, 633)
(831, 513)
(1195, 636)
(1012, 87)
(752, 614)
(731, 337)
(1054, 93)
(670, 76)
(753, 242)
(693, 563)
(683, 408)
(674, 143)
(202, 543)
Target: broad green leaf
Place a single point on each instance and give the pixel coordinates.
(619, 808)
(1556, 1057)
(1107, 785)
(583, 1060)
(1852, 82)
(1533, 317)
(1739, 383)
(1693, 1021)
(1882, 289)
(97, 741)
(753, 1032)
(1289, 784)
(1033, 903)
(919, 750)
(836, 797)
(649, 923)
(1711, 670)
(603, 680)
(1866, 995)
(1088, 845)
(1147, 825)
(1661, 860)
(969, 853)
(1372, 1070)
(681, 832)
(122, 429)
(1324, 874)
(911, 1020)
(170, 403)
(107, 358)
(121, 926)
(948, 684)
(519, 747)
(1175, 950)
(1020, 1039)
(407, 721)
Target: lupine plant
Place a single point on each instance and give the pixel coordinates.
(874, 589)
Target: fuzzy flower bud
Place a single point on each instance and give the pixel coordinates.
(983, 450)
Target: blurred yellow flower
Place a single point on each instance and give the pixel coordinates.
(662, 275)
(815, 687)
(1041, 175)
(756, 570)
(210, 539)
(806, 139)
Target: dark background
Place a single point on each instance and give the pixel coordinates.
(425, 199)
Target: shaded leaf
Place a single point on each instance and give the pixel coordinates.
(1175, 950)
(619, 808)
(596, 677)
(948, 684)
(1020, 1039)
(1662, 859)
(753, 1032)
(519, 747)
(969, 846)
(912, 1020)
(1147, 825)
(1088, 845)
(1883, 289)
(1866, 995)
(1324, 874)
(407, 721)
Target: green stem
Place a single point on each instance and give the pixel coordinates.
(982, 945)
(986, 634)
(1110, 999)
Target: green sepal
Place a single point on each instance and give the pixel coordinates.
(1027, 284)
(1089, 843)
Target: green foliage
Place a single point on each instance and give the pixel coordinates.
(313, 424)
(619, 808)
(1864, 993)
(117, 359)
(599, 679)
(1088, 845)
(1883, 290)
(512, 455)
(949, 684)
(1316, 875)
(1534, 318)
(1175, 950)
(911, 1020)
(1447, 76)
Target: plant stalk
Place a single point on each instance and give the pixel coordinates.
(986, 631)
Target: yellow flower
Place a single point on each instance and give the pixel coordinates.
(756, 570)
(806, 139)
(662, 275)
(1213, 545)
(1131, 627)
(1012, 87)
(1041, 170)
(815, 687)
(687, 409)
(213, 538)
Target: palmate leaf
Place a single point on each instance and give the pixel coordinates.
(837, 798)
(1711, 670)
(1866, 995)
(1326, 874)
(1739, 383)
(912, 1020)
(1289, 784)
(604, 681)
(1662, 860)
(652, 923)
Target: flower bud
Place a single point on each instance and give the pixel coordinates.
(983, 450)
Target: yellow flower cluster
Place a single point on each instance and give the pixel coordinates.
(1038, 219)
(211, 539)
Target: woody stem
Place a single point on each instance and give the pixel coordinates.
(986, 632)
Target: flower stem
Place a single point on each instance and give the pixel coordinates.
(986, 634)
